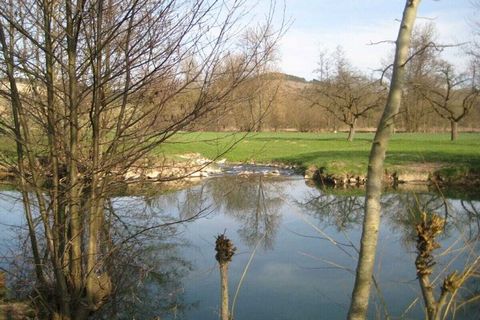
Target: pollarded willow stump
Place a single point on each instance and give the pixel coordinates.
(225, 251)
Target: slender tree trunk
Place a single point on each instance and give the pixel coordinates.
(371, 223)
(94, 292)
(454, 130)
(428, 296)
(225, 251)
(19, 140)
(76, 232)
(351, 132)
(224, 312)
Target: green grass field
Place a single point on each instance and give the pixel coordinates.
(329, 150)
(332, 150)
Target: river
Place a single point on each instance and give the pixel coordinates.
(300, 240)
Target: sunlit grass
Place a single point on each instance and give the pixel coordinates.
(330, 150)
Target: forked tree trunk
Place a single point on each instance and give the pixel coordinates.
(371, 222)
(453, 130)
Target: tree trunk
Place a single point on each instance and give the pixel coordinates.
(428, 296)
(351, 132)
(73, 19)
(224, 313)
(225, 251)
(454, 130)
(371, 223)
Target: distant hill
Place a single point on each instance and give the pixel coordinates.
(290, 77)
(284, 76)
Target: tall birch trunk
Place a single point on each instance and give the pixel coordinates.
(371, 223)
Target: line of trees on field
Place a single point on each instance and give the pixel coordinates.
(437, 96)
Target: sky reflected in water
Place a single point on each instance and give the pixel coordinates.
(304, 240)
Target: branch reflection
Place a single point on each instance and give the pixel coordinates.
(254, 201)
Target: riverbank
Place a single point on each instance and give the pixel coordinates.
(193, 167)
(411, 158)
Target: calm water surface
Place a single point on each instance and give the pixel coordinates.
(301, 242)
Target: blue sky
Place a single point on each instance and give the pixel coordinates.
(353, 24)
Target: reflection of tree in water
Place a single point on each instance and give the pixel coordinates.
(145, 264)
(148, 269)
(471, 215)
(254, 201)
(186, 204)
(345, 211)
(148, 279)
(402, 212)
(190, 202)
(341, 211)
(405, 209)
(458, 252)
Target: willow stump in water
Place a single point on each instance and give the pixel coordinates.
(225, 251)
(428, 229)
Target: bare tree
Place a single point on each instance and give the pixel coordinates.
(452, 96)
(474, 47)
(371, 222)
(255, 102)
(264, 86)
(93, 87)
(424, 57)
(346, 94)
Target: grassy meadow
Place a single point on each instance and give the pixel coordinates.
(406, 151)
(332, 151)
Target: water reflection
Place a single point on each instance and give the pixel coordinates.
(342, 211)
(149, 282)
(169, 271)
(147, 264)
(188, 204)
(340, 208)
(459, 249)
(254, 202)
(472, 217)
(404, 210)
